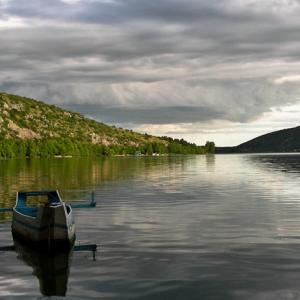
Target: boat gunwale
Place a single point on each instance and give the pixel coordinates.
(23, 215)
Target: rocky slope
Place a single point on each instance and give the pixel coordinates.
(32, 128)
(25, 118)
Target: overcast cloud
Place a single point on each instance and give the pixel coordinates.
(153, 65)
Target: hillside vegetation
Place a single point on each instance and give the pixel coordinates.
(286, 140)
(32, 128)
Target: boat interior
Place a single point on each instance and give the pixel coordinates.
(50, 198)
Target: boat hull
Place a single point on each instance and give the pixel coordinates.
(53, 227)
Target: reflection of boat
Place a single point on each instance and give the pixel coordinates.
(50, 224)
(52, 270)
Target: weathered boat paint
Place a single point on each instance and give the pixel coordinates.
(50, 225)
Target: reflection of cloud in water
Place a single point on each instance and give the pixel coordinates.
(289, 163)
(234, 200)
(12, 286)
(284, 294)
(224, 227)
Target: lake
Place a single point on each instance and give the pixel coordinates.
(173, 227)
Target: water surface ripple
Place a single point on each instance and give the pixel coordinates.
(181, 227)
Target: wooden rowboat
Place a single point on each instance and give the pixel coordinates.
(51, 224)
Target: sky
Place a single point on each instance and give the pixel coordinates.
(225, 71)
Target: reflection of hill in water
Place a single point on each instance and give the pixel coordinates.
(52, 270)
(282, 163)
(67, 174)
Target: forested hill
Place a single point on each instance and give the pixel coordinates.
(32, 128)
(286, 140)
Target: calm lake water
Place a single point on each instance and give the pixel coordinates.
(181, 227)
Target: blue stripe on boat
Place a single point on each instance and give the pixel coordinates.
(28, 211)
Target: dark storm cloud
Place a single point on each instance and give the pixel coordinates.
(123, 10)
(154, 62)
(148, 115)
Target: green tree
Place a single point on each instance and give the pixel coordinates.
(210, 147)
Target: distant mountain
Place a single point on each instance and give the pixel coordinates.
(286, 140)
(32, 128)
